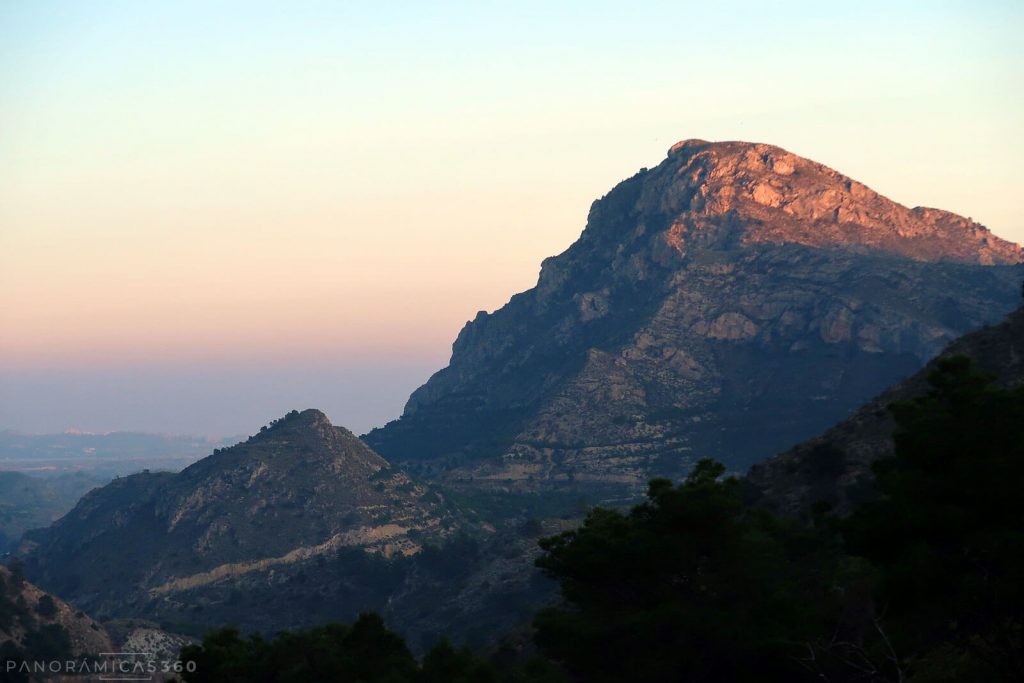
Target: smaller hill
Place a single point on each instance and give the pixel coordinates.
(298, 489)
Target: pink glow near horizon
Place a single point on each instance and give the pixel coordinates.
(195, 183)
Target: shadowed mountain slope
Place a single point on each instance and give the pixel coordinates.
(836, 466)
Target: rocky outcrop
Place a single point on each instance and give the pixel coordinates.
(729, 303)
(835, 466)
(298, 489)
(785, 199)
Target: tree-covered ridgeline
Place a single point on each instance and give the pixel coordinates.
(923, 583)
(946, 537)
(363, 652)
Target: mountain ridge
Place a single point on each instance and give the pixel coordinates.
(298, 488)
(761, 180)
(733, 283)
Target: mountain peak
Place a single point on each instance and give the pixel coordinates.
(307, 422)
(731, 301)
(685, 145)
(743, 193)
(309, 416)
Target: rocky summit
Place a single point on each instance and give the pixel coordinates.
(300, 490)
(729, 303)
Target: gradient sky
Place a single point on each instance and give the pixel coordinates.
(214, 212)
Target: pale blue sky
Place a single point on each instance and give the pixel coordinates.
(229, 187)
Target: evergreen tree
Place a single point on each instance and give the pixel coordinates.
(947, 535)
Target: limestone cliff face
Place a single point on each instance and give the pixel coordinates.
(730, 302)
(298, 489)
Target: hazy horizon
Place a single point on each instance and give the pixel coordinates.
(222, 401)
(212, 215)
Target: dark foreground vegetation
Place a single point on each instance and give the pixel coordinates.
(922, 583)
(366, 652)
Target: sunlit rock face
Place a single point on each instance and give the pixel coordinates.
(728, 303)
